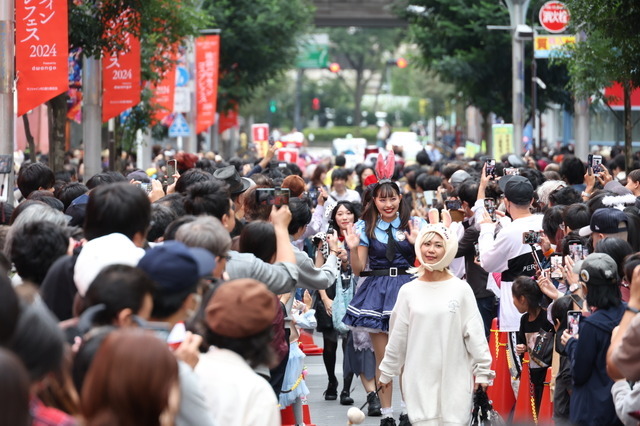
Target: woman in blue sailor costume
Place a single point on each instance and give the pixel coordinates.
(384, 265)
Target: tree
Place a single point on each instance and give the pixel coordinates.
(454, 41)
(160, 24)
(365, 51)
(258, 43)
(608, 51)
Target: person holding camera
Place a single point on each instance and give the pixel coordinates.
(512, 251)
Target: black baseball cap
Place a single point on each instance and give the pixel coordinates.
(606, 221)
(517, 189)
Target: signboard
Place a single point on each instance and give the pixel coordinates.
(179, 127)
(546, 46)
(121, 72)
(207, 64)
(615, 93)
(163, 94)
(288, 155)
(314, 52)
(260, 132)
(502, 136)
(42, 51)
(554, 16)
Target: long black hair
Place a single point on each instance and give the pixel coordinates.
(370, 215)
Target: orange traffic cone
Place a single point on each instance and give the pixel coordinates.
(307, 344)
(545, 416)
(501, 393)
(525, 404)
(494, 349)
(289, 419)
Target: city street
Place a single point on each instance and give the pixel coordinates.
(331, 413)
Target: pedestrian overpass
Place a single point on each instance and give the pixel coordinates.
(356, 13)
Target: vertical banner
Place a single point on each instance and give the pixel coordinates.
(228, 119)
(207, 64)
(260, 136)
(502, 139)
(121, 73)
(164, 94)
(41, 51)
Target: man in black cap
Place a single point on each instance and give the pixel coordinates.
(506, 253)
(238, 186)
(606, 222)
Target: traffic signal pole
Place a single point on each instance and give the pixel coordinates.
(7, 72)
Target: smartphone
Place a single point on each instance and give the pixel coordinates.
(453, 204)
(490, 207)
(490, 168)
(578, 252)
(573, 322)
(430, 198)
(556, 267)
(313, 196)
(272, 196)
(146, 187)
(531, 237)
(594, 161)
(172, 166)
(511, 171)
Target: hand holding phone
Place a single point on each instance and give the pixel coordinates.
(490, 168)
(573, 322)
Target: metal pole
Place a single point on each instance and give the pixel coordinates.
(517, 12)
(536, 142)
(581, 120)
(92, 116)
(297, 121)
(7, 72)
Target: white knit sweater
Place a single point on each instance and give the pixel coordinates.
(437, 336)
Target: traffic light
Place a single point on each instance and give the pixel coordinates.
(334, 67)
(315, 104)
(273, 106)
(401, 63)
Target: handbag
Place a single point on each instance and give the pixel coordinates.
(483, 413)
(341, 302)
(542, 351)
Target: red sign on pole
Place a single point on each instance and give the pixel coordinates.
(164, 93)
(121, 74)
(42, 51)
(288, 155)
(260, 132)
(554, 16)
(207, 64)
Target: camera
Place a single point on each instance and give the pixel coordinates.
(532, 237)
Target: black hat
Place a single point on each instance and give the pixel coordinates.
(606, 221)
(230, 175)
(599, 269)
(517, 189)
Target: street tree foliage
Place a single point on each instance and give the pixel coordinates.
(454, 42)
(608, 51)
(258, 42)
(364, 51)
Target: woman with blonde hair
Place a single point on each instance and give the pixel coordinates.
(436, 337)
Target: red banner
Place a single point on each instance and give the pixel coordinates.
(42, 50)
(207, 64)
(228, 119)
(121, 74)
(163, 95)
(615, 95)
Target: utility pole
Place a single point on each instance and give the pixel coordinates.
(7, 72)
(581, 131)
(297, 110)
(517, 13)
(92, 115)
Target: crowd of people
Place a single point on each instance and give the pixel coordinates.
(177, 294)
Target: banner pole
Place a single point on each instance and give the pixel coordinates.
(7, 72)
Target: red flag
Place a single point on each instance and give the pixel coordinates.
(207, 63)
(42, 51)
(121, 74)
(163, 94)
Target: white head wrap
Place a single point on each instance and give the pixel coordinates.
(450, 247)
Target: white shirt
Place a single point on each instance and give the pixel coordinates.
(235, 394)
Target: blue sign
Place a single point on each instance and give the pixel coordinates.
(182, 76)
(179, 127)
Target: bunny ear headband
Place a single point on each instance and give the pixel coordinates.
(385, 169)
(450, 240)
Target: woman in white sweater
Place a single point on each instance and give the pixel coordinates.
(436, 339)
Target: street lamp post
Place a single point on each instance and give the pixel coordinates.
(517, 13)
(7, 72)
